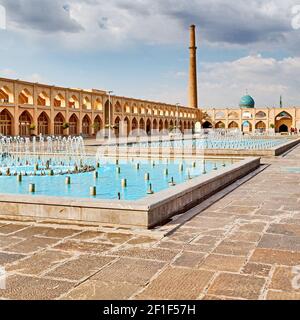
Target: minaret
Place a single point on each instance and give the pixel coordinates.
(193, 91)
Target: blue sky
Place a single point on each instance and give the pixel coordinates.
(140, 48)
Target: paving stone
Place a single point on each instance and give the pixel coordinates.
(210, 223)
(270, 256)
(267, 212)
(281, 295)
(142, 240)
(177, 284)
(245, 236)
(80, 267)
(6, 258)
(286, 279)
(11, 228)
(207, 240)
(147, 253)
(31, 245)
(292, 207)
(213, 297)
(6, 241)
(235, 285)
(114, 237)
(100, 290)
(199, 247)
(239, 209)
(39, 262)
(83, 246)
(189, 259)
(170, 245)
(182, 236)
(87, 235)
(236, 248)
(32, 288)
(253, 227)
(290, 221)
(280, 242)
(218, 233)
(216, 262)
(45, 232)
(135, 271)
(285, 229)
(257, 269)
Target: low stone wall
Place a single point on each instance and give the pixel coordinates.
(146, 213)
(185, 196)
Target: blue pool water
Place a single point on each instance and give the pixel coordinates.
(243, 143)
(108, 183)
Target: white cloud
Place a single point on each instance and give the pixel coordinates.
(223, 84)
(102, 24)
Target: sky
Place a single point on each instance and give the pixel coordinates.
(139, 48)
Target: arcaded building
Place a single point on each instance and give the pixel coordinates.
(31, 108)
(249, 119)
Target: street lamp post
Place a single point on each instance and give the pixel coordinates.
(109, 113)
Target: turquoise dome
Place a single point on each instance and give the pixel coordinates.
(247, 102)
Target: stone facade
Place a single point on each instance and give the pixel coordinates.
(31, 108)
(249, 120)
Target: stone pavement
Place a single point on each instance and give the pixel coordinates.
(245, 246)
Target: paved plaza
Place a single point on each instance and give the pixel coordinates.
(245, 246)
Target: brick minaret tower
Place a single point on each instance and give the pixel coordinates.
(193, 92)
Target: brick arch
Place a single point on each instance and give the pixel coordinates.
(25, 121)
(86, 125)
(43, 124)
(59, 101)
(220, 125)
(43, 99)
(6, 94)
(59, 121)
(25, 97)
(73, 124)
(233, 125)
(6, 123)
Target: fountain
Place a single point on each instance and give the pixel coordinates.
(42, 156)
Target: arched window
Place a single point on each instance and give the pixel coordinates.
(117, 126)
(87, 103)
(233, 115)
(118, 107)
(59, 101)
(43, 100)
(58, 124)
(86, 125)
(73, 125)
(24, 124)
(98, 104)
(5, 123)
(73, 102)
(25, 97)
(233, 125)
(98, 125)
(220, 125)
(43, 124)
(6, 95)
